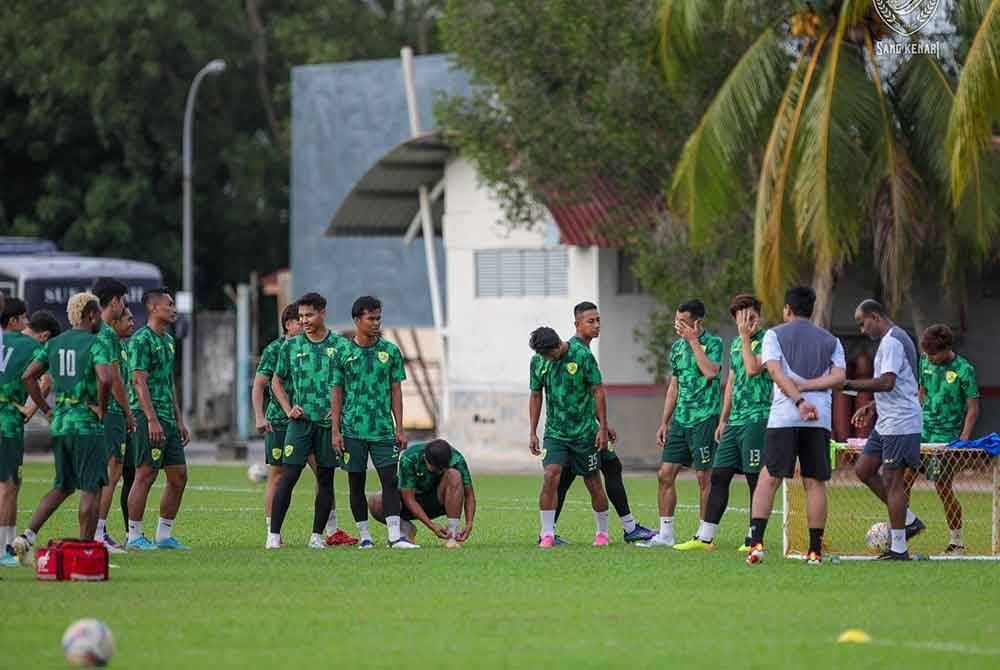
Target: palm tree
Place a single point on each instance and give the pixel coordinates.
(838, 152)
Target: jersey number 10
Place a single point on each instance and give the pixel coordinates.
(67, 363)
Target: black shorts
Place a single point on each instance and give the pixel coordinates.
(811, 446)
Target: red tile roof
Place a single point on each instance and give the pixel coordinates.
(583, 222)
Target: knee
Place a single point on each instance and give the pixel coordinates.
(551, 476)
(178, 478)
(863, 472)
(453, 478)
(665, 477)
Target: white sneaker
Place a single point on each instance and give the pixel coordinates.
(656, 541)
(273, 541)
(316, 542)
(403, 543)
(115, 548)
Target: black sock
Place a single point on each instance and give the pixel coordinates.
(324, 498)
(565, 482)
(283, 495)
(718, 495)
(615, 486)
(359, 502)
(752, 485)
(128, 476)
(392, 504)
(816, 540)
(757, 528)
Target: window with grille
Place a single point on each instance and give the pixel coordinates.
(519, 273)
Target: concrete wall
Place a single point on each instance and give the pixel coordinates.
(215, 372)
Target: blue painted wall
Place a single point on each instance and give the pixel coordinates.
(345, 117)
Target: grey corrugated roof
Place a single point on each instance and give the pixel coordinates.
(57, 266)
(384, 201)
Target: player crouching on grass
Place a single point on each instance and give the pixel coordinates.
(576, 425)
(434, 481)
(81, 378)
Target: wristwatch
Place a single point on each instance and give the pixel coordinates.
(800, 401)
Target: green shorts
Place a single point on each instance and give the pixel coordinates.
(581, 455)
(169, 452)
(81, 462)
(274, 444)
(11, 458)
(693, 446)
(942, 465)
(741, 447)
(302, 438)
(384, 453)
(429, 501)
(115, 436)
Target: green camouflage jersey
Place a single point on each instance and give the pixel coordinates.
(414, 473)
(698, 399)
(15, 357)
(568, 384)
(265, 368)
(110, 341)
(153, 354)
(751, 395)
(946, 388)
(126, 374)
(306, 367)
(70, 359)
(367, 374)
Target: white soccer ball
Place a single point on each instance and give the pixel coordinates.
(877, 537)
(88, 643)
(257, 473)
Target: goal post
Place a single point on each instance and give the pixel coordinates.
(971, 475)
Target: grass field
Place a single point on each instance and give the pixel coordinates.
(498, 602)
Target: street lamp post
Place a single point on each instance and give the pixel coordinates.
(186, 305)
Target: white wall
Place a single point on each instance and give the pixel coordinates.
(621, 350)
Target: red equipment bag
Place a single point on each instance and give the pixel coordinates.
(75, 560)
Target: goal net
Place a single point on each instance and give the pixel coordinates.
(972, 475)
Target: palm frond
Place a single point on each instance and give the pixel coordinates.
(707, 181)
(681, 24)
(923, 96)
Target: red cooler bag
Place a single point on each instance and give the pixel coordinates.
(75, 560)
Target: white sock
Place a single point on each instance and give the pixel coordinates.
(134, 530)
(164, 529)
(601, 519)
(548, 522)
(392, 523)
(453, 527)
(331, 523)
(956, 537)
(628, 522)
(898, 540)
(363, 530)
(267, 520)
(707, 531)
(6, 537)
(102, 524)
(667, 527)
(30, 535)
(910, 516)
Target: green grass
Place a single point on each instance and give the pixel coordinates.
(498, 602)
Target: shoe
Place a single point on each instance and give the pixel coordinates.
(954, 550)
(695, 544)
(743, 548)
(172, 543)
(639, 533)
(756, 554)
(656, 541)
(112, 546)
(558, 541)
(141, 544)
(547, 541)
(915, 528)
(403, 543)
(340, 537)
(316, 542)
(601, 540)
(814, 558)
(452, 543)
(272, 542)
(22, 550)
(366, 544)
(890, 555)
(9, 561)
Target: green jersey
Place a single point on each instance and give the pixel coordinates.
(153, 354)
(265, 368)
(698, 399)
(366, 374)
(15, 357)
(70, 359)
(110, 341)
(414, 473)
(946, 388)
(126, 375)
(568, 384)
(307, 368)
(751, 395)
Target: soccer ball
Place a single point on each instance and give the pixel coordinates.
(877, 538)
(88, 643)
(257, 473)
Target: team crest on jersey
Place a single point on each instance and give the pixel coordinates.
(950, 376)
(329, 352)
(157, 454)
(347, 457)
(276, 453)
(383, 357)
(288, 450)
(755, 345)
(572, 368)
